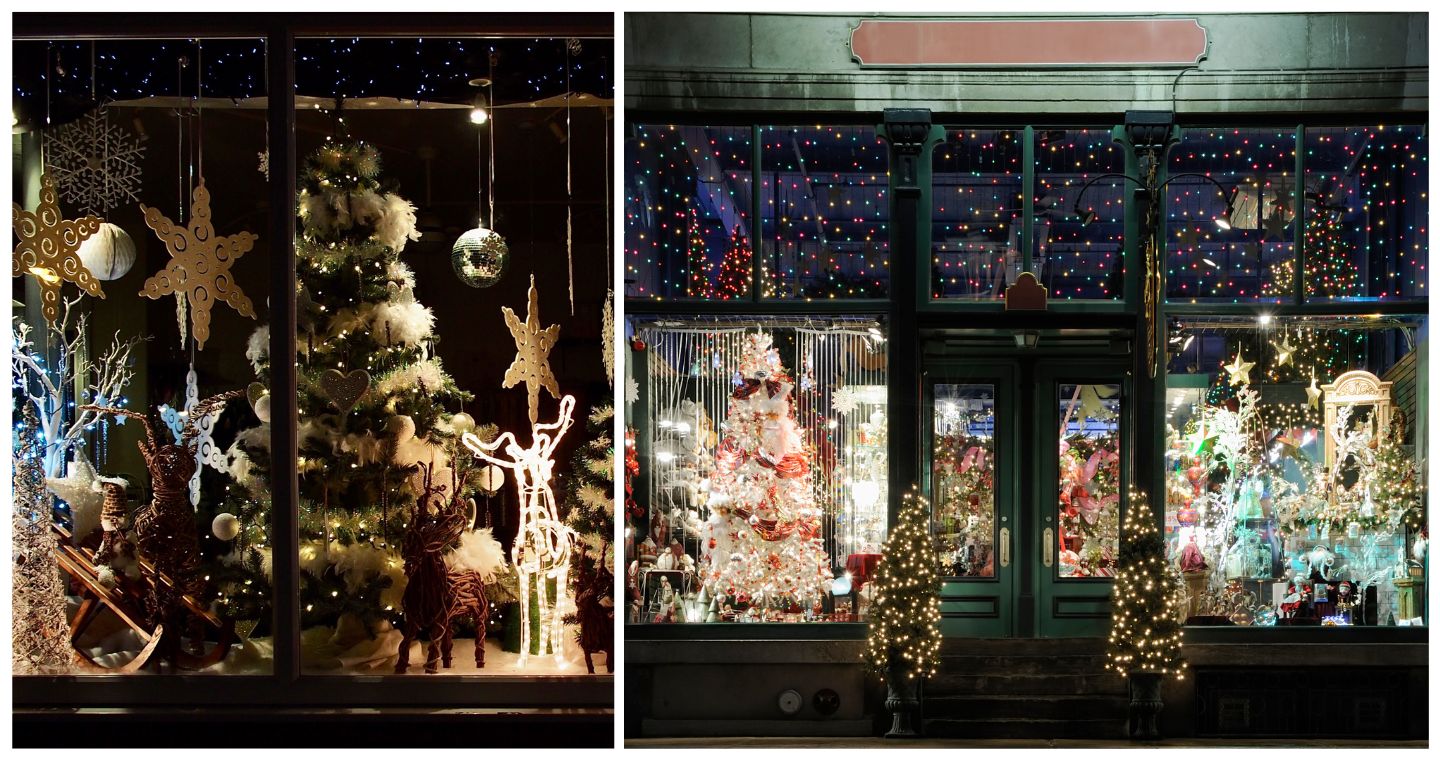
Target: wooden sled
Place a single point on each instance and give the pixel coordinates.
(127, 601)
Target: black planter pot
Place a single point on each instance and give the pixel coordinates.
(1145, 705)
(901, 703)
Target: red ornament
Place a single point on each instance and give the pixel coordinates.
(637, 344)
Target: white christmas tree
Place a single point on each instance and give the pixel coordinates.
(764, 547)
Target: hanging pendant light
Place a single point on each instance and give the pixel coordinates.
(480, 256)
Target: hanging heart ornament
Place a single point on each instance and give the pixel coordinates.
(345, 390)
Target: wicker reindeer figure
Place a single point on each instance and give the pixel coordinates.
(164, 529)
(595, 609)
(434, 526)
(114, 516)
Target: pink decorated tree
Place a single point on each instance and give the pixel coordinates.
(763, 546)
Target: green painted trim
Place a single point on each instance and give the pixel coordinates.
(1310, 308)
(757, 222)
(1299, 220)
(1027, 196)
(924, 232)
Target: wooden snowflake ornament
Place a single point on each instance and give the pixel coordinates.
(532, 358)
(48, 248)
(200, 263)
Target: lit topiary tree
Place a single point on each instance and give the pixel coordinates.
(1146, 618)
(904, 645)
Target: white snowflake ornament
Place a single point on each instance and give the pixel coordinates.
(206, 452)
(96, 163)
(844, 401)
(632, 391)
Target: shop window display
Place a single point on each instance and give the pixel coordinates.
(1076, 257)
(688, 207)
(963, 519)
(1294, 494)
(978, 177)
(139, 274)
(429, 541)
(825, 212)
(1366, 229)
(1089, 478)
(1248, 256)
(763, 470)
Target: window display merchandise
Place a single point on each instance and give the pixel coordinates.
(766, 484)
(1295, 496)
(142, 380)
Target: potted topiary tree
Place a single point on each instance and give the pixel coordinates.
(904, 643)
(1146, 620)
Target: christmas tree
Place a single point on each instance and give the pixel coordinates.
(590, 504)
(372, 395)
(734, 279)
(905, 615)
(1146, 609)
(40, 632)
(764, 547)
(697, 282)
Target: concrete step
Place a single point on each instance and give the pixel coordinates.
(1063, 684)
(1038, 665)
(1042, 647)
(1031, 728)
(1027, 707)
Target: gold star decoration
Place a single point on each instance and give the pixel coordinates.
(200, 263)
(1092, 403)
(1239, 369)
(1284, 352)
(1313, 393)
(532, 353)
(48, 246)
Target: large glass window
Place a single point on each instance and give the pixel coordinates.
(825, 212)
(1294, 494)
(1079, 257)
(1254, 258)
(1089, 480)
(963, 461)
(142, 540)
(454, 492)
(1366, 231)
(688, 212)
(977, 209)
(761, 458)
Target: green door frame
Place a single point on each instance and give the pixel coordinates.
(984, 607)
(1071, 606)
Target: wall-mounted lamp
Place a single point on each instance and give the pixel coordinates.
(1222, 221)
(1027, 339)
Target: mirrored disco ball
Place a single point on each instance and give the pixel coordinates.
(479, 257)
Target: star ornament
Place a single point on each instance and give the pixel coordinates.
(1284, 352)
(532, 353)
(1313, 394)
(1239, 369)
(48, 248)
(200, 263)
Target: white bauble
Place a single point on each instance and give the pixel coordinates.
(490, 478)
(109, 253)
(462, 422)
(262, 408)
(225, 526)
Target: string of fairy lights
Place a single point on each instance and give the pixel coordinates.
(418, 69)
(1364, 230)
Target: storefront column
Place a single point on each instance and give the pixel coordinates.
(910, 136)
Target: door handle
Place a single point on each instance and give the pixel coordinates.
(1049, 550)
(1004, 547)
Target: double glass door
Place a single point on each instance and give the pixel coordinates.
(1029, 457)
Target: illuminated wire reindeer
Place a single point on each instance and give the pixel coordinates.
(542, 545)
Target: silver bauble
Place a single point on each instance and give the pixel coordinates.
(479, 257)
(262, 408)
(225, 526)
(108, 254)
(462, 422)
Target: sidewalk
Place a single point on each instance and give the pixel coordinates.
(864, 742)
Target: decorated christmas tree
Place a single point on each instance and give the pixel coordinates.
(905, 614)
(1146, 608)
(697, 264)
(590, 504)
(734, 279)
(764, 547)
(374, 400)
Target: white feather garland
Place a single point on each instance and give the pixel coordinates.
(396, 225)
(478, 551)
(401, 320)
(406, 378)
(257, 349)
